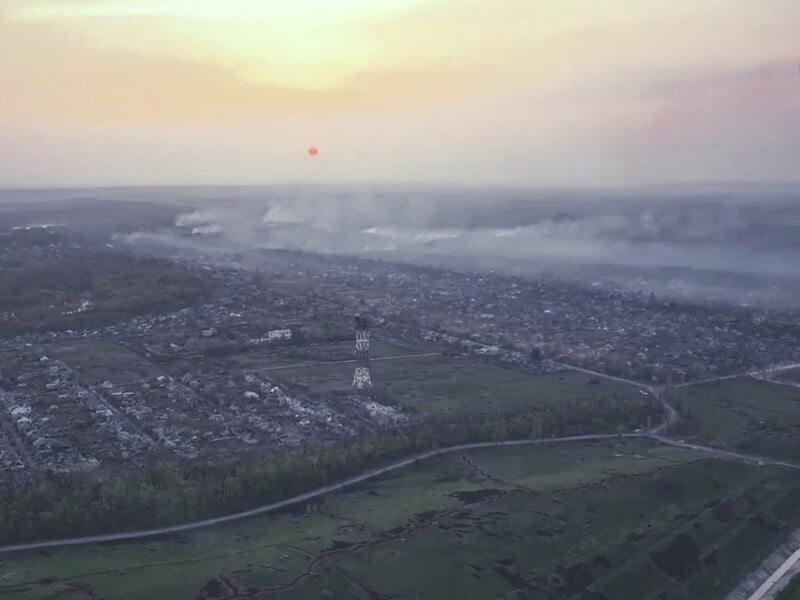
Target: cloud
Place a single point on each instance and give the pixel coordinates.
(591, 91)
(733, 123)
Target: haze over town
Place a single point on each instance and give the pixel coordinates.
(584, 93)
(400, 299)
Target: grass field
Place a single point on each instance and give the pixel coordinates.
(266, 357)
(792, 592)
(790, 375)
(446, 384)
(602, 520)
(416, 377)
(104, 359)
(749, 415)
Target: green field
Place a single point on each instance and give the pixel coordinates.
(790, 375)
(792, 592)
(418, 378)
(606, 520)
(446, 385)
(267, 358)
(745, 414)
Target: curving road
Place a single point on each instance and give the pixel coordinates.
(276, 506)
(311, 363)
(779, 579)
(671, 417)
(377, 472)
(755, 373)
(753, 459)
(630, 382)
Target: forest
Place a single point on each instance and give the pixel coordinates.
(60, 505)
(48, 295)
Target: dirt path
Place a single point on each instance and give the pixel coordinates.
(357, 547)
(317, 363)
(671, 417)
(413, 527)
(311, 495)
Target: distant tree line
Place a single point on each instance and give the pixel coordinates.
(119, 287)
(86, 503)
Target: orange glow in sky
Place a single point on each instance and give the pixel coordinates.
(539, 92)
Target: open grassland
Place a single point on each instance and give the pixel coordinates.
(301, 357)
(104, 359)
(441, 385)
(792, 591)
(602, 520)
(745, 414)
(419, 378)
(790, 375)
(449, 400)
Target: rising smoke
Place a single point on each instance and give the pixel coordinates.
(736, 232)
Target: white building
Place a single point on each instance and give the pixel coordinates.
(275, 335)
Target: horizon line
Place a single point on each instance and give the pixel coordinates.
(24, 187)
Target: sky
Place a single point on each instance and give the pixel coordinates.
(524, 92)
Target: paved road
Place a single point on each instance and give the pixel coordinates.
(779, 579)
(276, 506)
(755, 373)
(753, 459)
(631, 382)
(790, 569)
(671, 417)
(773, 573)
(710, 380)
(315, 363)
(377, 472)
(776, 381)
(779, 368)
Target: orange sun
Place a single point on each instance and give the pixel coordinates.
(313, 151)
